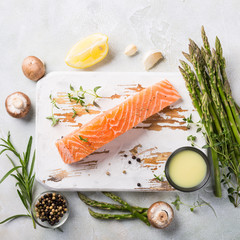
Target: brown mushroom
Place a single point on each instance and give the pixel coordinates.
(33, 68)
(160, 214)
(18, 104)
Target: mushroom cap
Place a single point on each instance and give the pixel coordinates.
(160, 214)
(18, 104)
(33, 68)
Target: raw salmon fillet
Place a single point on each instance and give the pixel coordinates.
(116, 121)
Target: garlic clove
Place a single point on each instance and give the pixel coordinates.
(151, 59)
(130, 50)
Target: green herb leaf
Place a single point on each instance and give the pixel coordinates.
(199, 129)
(205, 146)
(96, 88)
(74, 113)
(71, 88)
(9, 173)
(177, 203)
(83, 139)
(230, 190)
(159, 178)
(14, 217)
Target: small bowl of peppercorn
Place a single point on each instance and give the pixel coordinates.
(50, 209)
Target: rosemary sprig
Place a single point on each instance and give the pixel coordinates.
(22, 173)
(79, 96)
(52, 117)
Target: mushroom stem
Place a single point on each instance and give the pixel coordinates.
(18, 103)
(163, 216)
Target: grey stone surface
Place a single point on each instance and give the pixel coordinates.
(47, 29)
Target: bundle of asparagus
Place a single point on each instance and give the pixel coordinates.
(211, 95)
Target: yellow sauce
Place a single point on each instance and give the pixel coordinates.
(187, 169)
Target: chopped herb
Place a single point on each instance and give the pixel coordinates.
(83, 139)
(74, 113)
(52, 117)
(160, 177)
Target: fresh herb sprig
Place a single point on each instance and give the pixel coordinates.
(52, 117)
(79, 96)
(23, 173)
(196, 204)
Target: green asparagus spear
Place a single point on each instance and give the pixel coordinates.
(208, 122)
(107, 206)
(205, 41)
(220, 60)
(109, 216)
(129, 207)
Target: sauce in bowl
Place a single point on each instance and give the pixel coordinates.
(187, 169)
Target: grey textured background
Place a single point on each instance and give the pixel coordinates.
(47, 29)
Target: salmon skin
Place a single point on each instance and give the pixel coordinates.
(116, 121)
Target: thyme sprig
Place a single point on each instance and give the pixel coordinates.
(52, 117)
(23, 173)
(79, 95)
(192, 208)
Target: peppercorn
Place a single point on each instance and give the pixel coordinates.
(129, 162)
(125, 155)
(134, 157)
(138, 160)
(51, 208)
(139, 184)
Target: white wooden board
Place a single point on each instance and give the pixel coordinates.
(152, 141)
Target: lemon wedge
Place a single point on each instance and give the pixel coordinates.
(88, 51)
